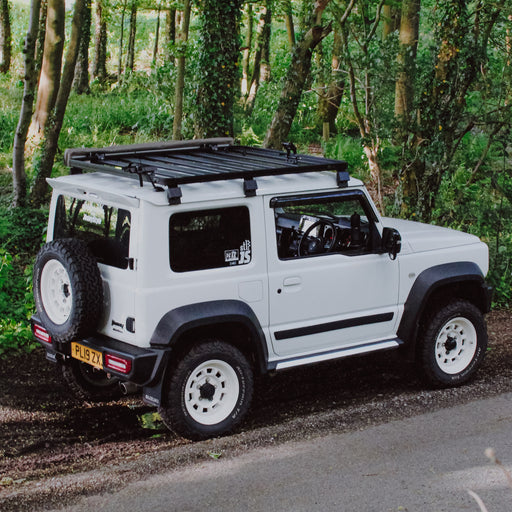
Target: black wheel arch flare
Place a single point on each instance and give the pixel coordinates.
(177, 322)
(458, 274)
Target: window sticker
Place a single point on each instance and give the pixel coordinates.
(240, 256)
(245, 253)
(231, 256)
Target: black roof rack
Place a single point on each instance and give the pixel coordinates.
(176, 163)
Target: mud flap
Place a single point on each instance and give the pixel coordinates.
(152, 395)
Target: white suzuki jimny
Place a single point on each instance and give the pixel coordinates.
(185, 269)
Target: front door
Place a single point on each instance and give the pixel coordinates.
(329, 287)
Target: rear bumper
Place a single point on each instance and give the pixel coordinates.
(146, 366)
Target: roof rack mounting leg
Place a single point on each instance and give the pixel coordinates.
(250, 187)
(174, 195)
(342, 178)
(289, 146)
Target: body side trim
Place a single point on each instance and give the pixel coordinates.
(333, 326)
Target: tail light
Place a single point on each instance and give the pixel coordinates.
(41, 333)
(117, 363)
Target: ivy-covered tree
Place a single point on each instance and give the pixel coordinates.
(217, 67)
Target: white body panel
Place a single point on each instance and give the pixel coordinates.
(286, 296)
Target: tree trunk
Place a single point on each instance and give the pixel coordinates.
(130, 57)
(363, 108)
(54, 126)
(51, 67)
(390, 19)
(121, 37)
(180, 74)
(260, 54)
(265, 44)
(5, 37)
(330, 98)
(295, 80)
(170, 33)
(218, 73)
(41, 36)
(19, 178)
(247, 50)
(371, 151)
(99, 71)
(406, 60)
(81, 82)
(157, 35)
(288, 18)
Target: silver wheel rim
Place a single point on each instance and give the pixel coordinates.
(211, 392)
(456, 345)
(56, 292)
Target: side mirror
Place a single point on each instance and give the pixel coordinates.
(391, 242)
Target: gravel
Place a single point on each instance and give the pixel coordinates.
(54, 448)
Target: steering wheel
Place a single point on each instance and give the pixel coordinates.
(317, 244)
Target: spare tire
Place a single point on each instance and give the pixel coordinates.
(68, 290)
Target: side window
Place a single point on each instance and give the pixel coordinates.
(207, 239)
(105, 229)
(315, 225)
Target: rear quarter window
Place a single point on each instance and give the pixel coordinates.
(105, 229)
(208, 239)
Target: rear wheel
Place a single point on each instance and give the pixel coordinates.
(209, 391)
(453, 344)
(89, 383)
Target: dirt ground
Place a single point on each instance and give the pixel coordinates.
(46, 434)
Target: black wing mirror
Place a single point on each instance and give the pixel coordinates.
(391, 242)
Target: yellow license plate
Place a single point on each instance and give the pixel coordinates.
(87, 355)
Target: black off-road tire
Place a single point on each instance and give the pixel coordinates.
(208, 391)
(70, 273)
(453, 344)
(89, 383)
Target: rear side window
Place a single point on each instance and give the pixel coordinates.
(105, 229)
(206, 239)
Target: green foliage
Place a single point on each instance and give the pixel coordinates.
(10, 96)
(350, 150)
(21, 234)
(479, 208)
(451, 93)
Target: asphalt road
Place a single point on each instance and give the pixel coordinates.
(424, 463)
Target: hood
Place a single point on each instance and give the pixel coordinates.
(426, 237)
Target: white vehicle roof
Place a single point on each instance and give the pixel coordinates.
(122, 189)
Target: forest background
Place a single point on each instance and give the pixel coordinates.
(416, 95)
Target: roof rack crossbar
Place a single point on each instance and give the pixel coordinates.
(173, 164)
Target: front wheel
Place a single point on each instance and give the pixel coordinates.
(453, 344)
(208, 392)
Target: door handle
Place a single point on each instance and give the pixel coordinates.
(292, 281)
